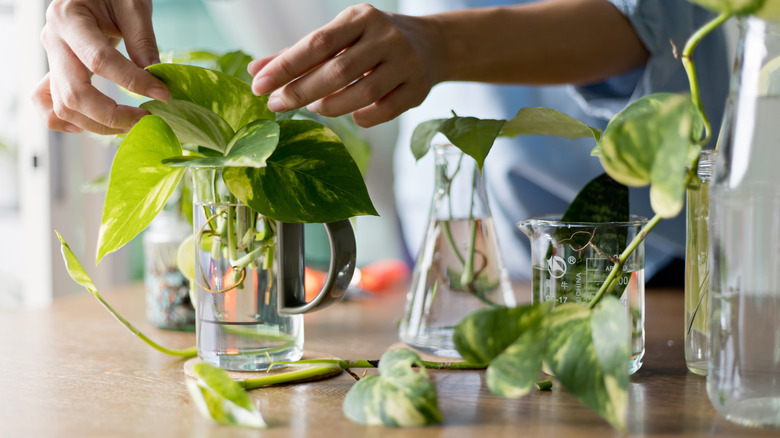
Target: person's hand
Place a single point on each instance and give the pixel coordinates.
(370, 63)
(80, 38)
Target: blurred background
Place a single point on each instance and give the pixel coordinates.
(44, 174)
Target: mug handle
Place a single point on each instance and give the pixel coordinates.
(290, 275)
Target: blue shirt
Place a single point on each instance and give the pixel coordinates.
(531, 176)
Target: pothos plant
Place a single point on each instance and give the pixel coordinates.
(654, 141)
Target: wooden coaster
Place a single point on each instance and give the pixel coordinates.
(423, 355)
(243, 375)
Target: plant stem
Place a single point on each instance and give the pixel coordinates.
(374, 363)
(608, 284)
(275, 379)
(185, 353)
(690, 69)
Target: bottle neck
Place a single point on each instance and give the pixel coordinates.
(460, 189)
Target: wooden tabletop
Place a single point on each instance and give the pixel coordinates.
(72, 370)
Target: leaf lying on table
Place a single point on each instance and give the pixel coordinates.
(221, 399)
(80, 276)
(398, 396)
(587, 350)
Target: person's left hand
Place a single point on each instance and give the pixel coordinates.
(370, 63)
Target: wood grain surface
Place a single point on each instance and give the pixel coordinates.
(71, 370)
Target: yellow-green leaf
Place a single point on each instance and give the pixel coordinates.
(139, 183)
(399, 396)
(221, 399)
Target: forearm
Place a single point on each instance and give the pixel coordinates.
(549, 42)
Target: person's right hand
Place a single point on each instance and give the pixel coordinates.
(80, 38)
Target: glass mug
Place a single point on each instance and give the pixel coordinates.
(249, 279)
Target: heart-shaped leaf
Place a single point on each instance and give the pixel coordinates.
(515, 371)
(220, 398)
(139, 183)
(475, 137)
(309, 178)
(546, 121)
(398, 396)
(647, 143)
(423, 135)
(486, 333)
(235, 64)
(250, 147)
(229, 97)
(588, 352)
(192, 123)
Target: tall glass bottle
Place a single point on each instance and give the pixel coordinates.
(743, 380)
(697, 267)
(459, 267)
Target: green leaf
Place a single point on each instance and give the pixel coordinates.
(398, 396)
(475, 137)
(139, 184)
(648, 143)
(546, 121)
(309, 178)
(514, 372)
(80, 276)
(739, 7)
(601, 200)
(486, 333)
(350, 134)
(588, 352)
(220, 398)
(250, 147)
(235, 64)
(192, 123)
(229, 97)
(423, 135)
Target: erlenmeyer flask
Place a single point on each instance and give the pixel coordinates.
(459, 267)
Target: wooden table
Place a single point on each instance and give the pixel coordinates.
(71, 370)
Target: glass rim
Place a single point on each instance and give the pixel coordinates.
(554, 220)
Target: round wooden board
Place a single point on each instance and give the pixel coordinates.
(243, 375)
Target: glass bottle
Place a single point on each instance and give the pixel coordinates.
(168, 303)
(697, 267)
(459, 268)
(743, 380)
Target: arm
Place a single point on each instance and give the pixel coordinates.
(80, 38)
(377, 65)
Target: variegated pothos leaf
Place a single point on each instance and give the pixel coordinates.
(399, 396)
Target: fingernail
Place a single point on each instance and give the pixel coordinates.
(262, 85)
(159, 94)
(276, 105)
(73, 129)
(314, 107)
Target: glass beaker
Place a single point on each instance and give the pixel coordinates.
(743, 377)
(571, 260)
(249, 276)
(459, 267)
(697, 267)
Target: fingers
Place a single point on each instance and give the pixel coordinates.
(391, 106)
(79, 39)
(313, 50)
(363, 92)
(93, 50)
(331, 76)
(77, 101)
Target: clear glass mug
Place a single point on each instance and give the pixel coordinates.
(249, 277)
(571, 260)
